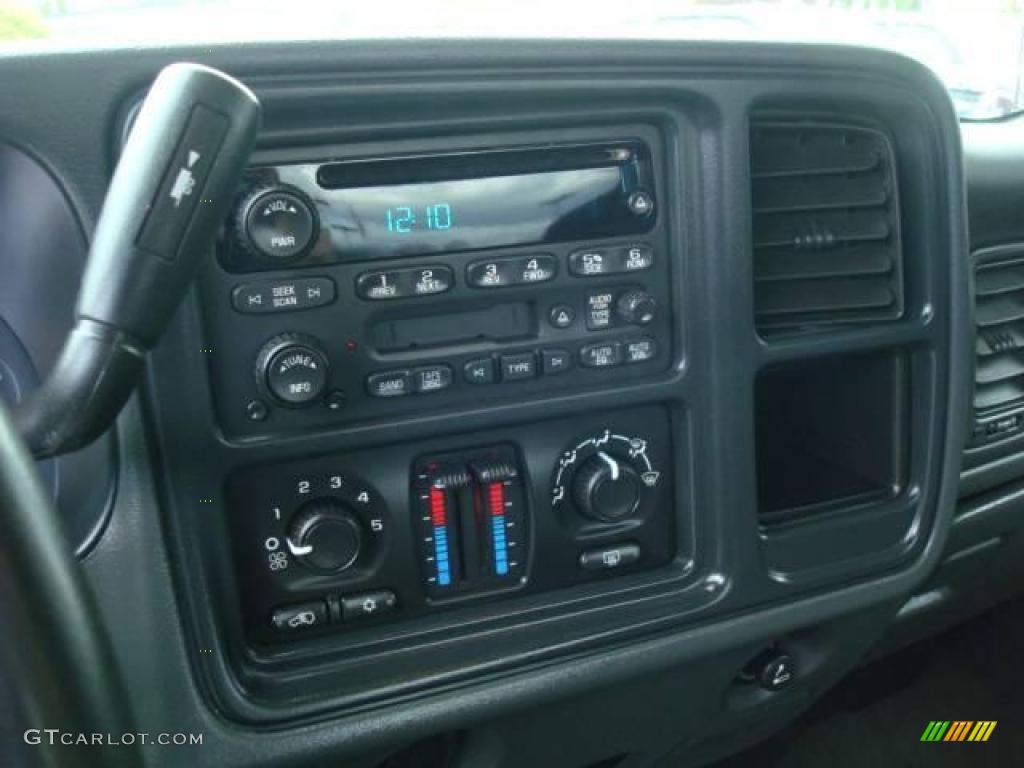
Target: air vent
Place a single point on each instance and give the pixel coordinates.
(826, 226)
(999, 349)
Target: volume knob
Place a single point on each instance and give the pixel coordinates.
(277, 223)
(606, 488)
(292, 369)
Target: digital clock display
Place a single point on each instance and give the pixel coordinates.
(405, 220)
(469, 214)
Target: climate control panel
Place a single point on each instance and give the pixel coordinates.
(472, 521)
(334, 544)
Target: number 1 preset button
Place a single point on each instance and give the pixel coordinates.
(404, 283)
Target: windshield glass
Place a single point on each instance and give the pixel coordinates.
(975, 46)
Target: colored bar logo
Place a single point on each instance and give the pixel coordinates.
(958, 730)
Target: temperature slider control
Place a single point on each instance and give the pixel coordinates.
(472, 522)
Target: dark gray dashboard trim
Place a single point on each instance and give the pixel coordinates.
(72, 121)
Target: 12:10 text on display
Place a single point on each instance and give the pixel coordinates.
(403, 219)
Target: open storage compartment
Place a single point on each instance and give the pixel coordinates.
(831, 434)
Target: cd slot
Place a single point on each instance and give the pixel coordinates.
(498, 322)
(405, 170)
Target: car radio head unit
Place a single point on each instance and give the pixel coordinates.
(368, 290)
(369, 210)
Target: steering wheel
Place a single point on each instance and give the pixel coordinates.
(190, 141)
(54, 651)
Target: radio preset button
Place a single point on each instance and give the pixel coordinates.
(640, 350)
(432, 378)
(617, 260)
(389, 384)
(404, 283)
(512, 270)
(282, 296)
(430, 280)
(479, 371)
(635, 258)
(590, 262)
(536, 269)
(604, 355)
(379, 286)
(519, 367)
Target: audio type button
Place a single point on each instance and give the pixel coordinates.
(599, 310)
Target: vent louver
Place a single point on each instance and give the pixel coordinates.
(999, 348)
(826, 226)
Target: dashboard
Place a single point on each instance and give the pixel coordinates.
(580, 404)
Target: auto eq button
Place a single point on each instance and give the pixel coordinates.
(606, 355)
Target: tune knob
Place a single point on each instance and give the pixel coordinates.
(325, 536)
(278, 223)
(636, 307)
(293, 369)
(606, 488)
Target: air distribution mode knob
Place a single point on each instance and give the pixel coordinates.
(636, 307)
(293, 369)
(606, 488)
(326, 536)
(277, 223)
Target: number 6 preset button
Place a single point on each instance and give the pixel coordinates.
(404, 283)
(512, 270)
